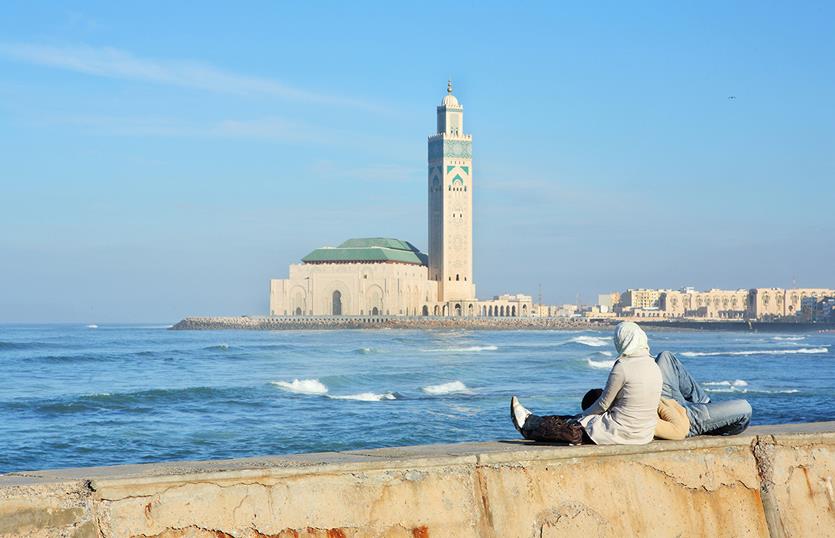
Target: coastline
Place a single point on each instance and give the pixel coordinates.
(288, 323)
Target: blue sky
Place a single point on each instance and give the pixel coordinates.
(159, 159)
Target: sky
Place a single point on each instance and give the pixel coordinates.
(164, 159)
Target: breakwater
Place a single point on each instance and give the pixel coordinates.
(770, 481)
(278, 323)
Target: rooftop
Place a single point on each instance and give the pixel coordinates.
(369, 250)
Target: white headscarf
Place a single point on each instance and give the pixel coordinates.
(630, 340)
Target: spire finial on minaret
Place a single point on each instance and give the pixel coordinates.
(449, 86)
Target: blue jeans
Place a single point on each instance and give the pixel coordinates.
(723, 418)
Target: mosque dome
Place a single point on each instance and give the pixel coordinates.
(449, 99)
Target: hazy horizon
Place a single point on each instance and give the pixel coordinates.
(160, 161)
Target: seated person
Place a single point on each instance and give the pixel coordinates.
(626, 411)
(706, 418)
(672, 418)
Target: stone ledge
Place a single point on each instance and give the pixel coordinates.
(772, 480)
(491, 452)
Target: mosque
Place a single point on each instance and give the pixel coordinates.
(390, 277)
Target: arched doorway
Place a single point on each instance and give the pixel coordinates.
(458, 309)
(298, 311)
(336, 303)
(375, 311)
(436, 310)
(501, 311)
(446, 310)
(425, 310)
(513, 311)
(470, 310)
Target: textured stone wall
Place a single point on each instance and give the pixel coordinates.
(773, 481)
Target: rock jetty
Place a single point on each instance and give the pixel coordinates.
(279, 323)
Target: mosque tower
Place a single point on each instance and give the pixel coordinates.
(451, 204)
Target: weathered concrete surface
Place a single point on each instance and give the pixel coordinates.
(771, 481)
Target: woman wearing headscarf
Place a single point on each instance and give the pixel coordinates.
(625, 413)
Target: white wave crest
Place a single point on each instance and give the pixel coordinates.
(593, 341)
(738, 390)
(92, 326)
(302, 386)
(469, 349)
(735, 383)
(366, 397)
(453, 387)
(789, 338)
(802, 351)
(600, 365)
(606, 353)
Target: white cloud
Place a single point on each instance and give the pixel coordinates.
(115, 63)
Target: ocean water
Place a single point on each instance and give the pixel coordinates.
(78, 396)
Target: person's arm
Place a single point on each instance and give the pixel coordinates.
(610, 391)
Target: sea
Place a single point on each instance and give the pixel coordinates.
(76, 395)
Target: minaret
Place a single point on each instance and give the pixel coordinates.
(451, 203)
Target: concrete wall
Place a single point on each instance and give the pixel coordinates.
(771, 481)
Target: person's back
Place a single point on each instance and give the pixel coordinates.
(636, 407)
(627, 410)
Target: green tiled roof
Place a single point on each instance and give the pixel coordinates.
(369, 250)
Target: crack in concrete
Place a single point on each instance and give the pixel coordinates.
(703, 487)
(763, 450)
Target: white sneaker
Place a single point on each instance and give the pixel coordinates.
(518, 413)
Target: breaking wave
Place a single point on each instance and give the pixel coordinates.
(218, 347)
(302, 386)
(367, 397)
(600, 365)
(738, 390)
(453, 387)
(802, 351)
(367, 350)
(468, 349)
(736, 383)
(789, 338)
(593, 341)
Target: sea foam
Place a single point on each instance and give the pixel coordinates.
(593, 341)
(468, 349)
(802, 351)
(367, 397)
(600, 365)
(302, 386)
(735, 383)
(453, 387)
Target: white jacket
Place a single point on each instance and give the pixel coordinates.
(627, 411)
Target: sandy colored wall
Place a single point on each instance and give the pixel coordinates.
(772, 481)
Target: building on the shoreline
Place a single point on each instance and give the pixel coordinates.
(716, 304)
(390, 277)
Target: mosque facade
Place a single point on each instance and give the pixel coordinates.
(390, 277)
